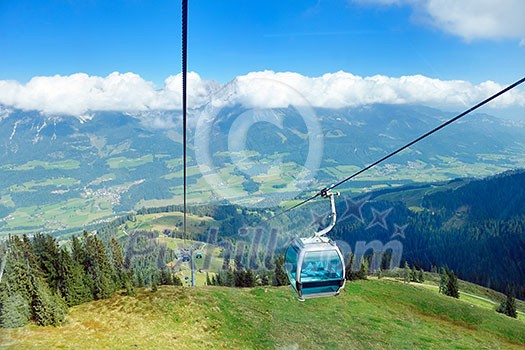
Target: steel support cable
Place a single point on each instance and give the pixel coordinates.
(184, 101)
(184, 126)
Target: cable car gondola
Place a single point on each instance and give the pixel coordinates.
(315, 265)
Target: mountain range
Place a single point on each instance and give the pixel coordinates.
(63, 173)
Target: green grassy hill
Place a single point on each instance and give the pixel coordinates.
(382, 314)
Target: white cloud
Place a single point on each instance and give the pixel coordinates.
(82, 95)
(479, 19)
(469, 19)
(341, 89)
(79, 94)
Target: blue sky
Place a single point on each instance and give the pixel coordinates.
(231, 38)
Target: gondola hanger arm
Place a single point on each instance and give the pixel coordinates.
(326, 193)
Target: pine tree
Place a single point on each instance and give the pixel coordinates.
(154, 285)
(140, 279)
(14, 304)
(452, 285)
(46, 308)
(162, 277)
(220, 278)
(79, 256)
(239, 278)
(407, 273)
(73, 288)
(266, 277)
(280, 276)
(230, 278)
(129, 286)
(363, 270)
(508, 306)
(14, 287)
(421, 276)
(24, 292)
(177, 281)
(249, 278)
(30, 259)
(351, 275)
(4, 253)
(117, 258)
(413, 275)
(14, 310)
(77, 252)
(165, 278)
(97, 263)
(443, 281)
(47, 253)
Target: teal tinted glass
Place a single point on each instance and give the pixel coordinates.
(321, 266)
(290, 262)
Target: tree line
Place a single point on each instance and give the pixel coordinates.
(240, 276)
(40, 279)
